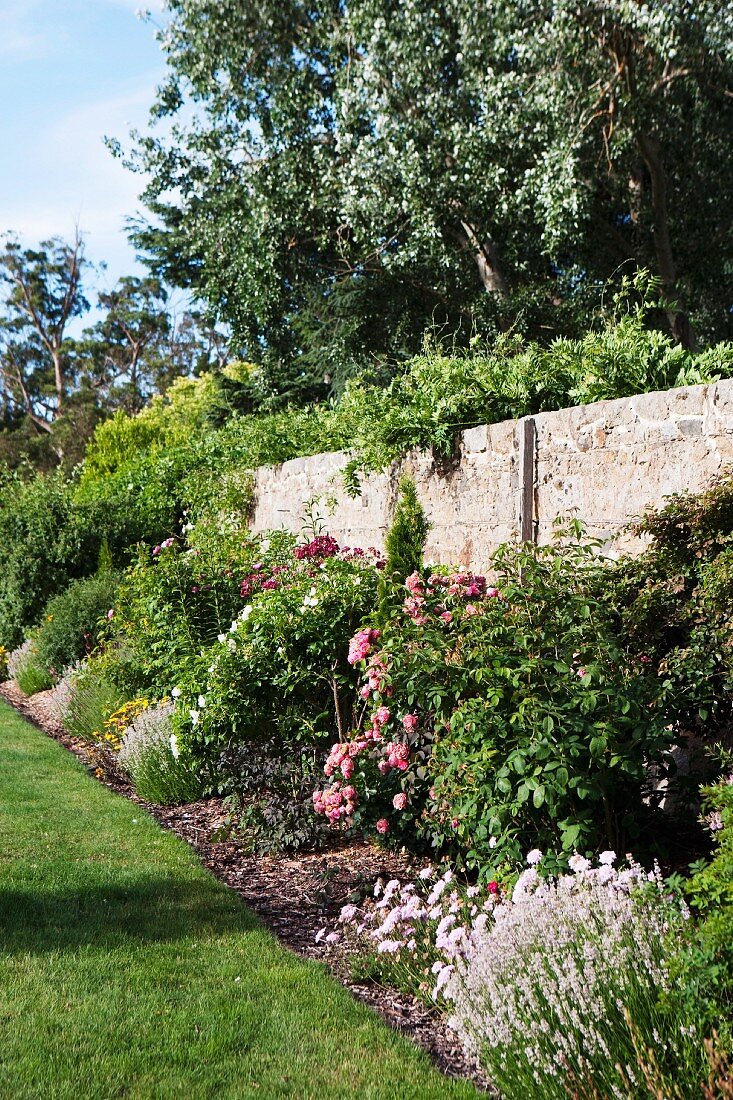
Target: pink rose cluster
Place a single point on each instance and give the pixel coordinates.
(342, 754)
(335, 803)
(459, 586)
(361, 644)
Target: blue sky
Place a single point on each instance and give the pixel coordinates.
(71, 72)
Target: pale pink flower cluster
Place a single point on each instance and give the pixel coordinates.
(460, 586)
(361, 644)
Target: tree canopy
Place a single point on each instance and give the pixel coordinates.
(334, 176)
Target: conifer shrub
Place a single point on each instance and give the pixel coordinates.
(404, 546)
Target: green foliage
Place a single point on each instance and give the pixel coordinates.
(437, 395)
(525, 721)
(675, 604)
(44, 544)
(173, 603)
(279, 684)
(706, 963)
(384, 168)
(72, 622)
(404, 546)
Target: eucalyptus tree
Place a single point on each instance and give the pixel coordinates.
(333, 176)
(43, 294)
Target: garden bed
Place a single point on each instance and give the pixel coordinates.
(294, 897)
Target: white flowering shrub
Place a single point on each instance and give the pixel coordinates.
(150, 755)
(560, 989)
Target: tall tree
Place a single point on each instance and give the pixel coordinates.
(43, 294)
(339, 174)
(124, 352)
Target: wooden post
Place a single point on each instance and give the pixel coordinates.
(527, 437)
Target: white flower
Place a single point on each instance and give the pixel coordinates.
(534, 857)
(174, 746)
(245, 613)
(578, 864)
(222, 638)
(265, 545)
(194, 717)
(608, 858)
(202, 701)
(176, 692)
(493, 842)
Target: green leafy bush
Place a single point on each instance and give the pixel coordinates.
(503, 717)
(72, 622)
(176, 599)
(43, 546)
(279, 675)
(675, 605)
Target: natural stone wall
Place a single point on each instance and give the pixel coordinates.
(604, 463)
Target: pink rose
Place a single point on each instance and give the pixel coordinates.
(399, 801)
(381, 716)
(382, 826)
(447, 617)
(347, 767)
(410, 722)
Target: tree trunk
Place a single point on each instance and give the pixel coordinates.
(679, 322)
(487, 261)
(58, 371)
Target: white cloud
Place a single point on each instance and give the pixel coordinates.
(68, 176)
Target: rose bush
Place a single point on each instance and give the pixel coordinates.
(496, 716)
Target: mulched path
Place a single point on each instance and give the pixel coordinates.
(295, 897)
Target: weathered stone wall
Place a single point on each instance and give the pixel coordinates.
(604, 463)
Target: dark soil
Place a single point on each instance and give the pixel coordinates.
(294, 896)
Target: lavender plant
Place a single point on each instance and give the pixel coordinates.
(558, 989)
(24, 667)
(150, 755)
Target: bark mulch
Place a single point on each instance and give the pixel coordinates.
(295, 897)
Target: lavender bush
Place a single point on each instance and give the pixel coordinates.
(561, 988)
(150, 755)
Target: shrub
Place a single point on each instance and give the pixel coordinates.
(675, 604)
(280, 674)
(72, 622)
(557, 990)
(706, 965)
(403, 546)
(150, 755)
(270, 795)
(25, 668)
(43, 546)
(175, 600)
(503, 716)
(93, 696)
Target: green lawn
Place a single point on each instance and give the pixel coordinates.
(127, 970)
